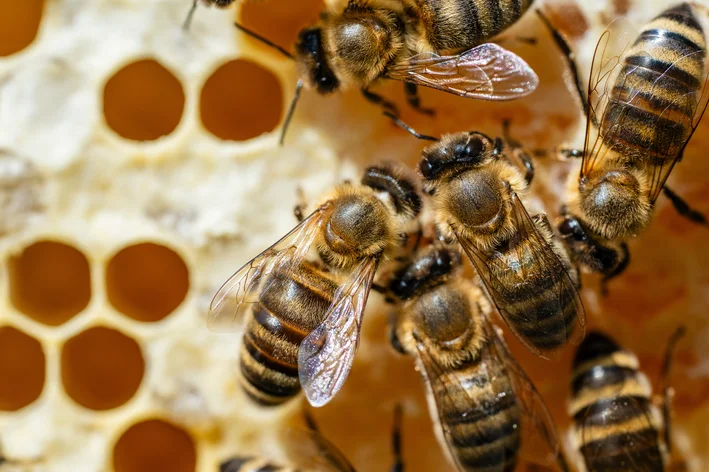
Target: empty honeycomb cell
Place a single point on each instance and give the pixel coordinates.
(50, 282)
(101, 368)
(280, 20)
(143, 101)
(22, 369)
(240, 101)
(154, 445)
(19, 23)
(146, 281)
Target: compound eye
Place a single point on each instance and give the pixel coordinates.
(426, 168)
(570, 227)
(469, 151)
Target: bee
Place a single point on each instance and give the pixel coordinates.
(436, 44)
(311, 451)
(307, 316)
(486, 412)
(475, 183)
(190, 14)
(616, 425)
(643, 104)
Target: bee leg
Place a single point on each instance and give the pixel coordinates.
(519, 151)
(380, 101)
(617, 270)
(414, 99)
(190, 14)
(668, 393)
(396, 440)
(684, 209)
(393, 337)
(299, 208)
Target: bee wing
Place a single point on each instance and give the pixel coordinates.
(310, 450)
(636, 438)
(241, 291)
(486, 72)
(467, 398)
(677, 122)
(540, 444)
(506, 276)
(326, 355)
(606, 64)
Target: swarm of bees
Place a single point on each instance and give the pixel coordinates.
(300, 304)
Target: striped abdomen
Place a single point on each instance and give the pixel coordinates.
(480, 439)
(615, 426)
(291, 306)
(536, 294)
(463, 24)
(655, 96)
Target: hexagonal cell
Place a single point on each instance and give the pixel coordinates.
(154, 445)
(19, 24)
(143, 101)
(101, 368)
(50, 282)
(146, 281)
(240, 101)
(280, 20)
(22, 369)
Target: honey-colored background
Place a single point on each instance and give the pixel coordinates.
(134, 178)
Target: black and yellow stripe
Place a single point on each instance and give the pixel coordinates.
(611, 409)
(290, 307)
(656, 93)
(485, 439)
(463, 24)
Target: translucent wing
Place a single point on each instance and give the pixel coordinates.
(530, 286)
(242, 289)
(309, 450)
(540, 444)
(486, 72)
(610, 49)
(326, 355)
(634, 442)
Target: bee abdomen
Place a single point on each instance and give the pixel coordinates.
(655, 95)
(484, 439)
(624, 452)
(463, 24)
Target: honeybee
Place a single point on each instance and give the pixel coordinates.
(486, 412)
(437, 44)
(616, 425)
(307, 316)
(643, 104)
(309, 450)
(475, 183)
(190, 14)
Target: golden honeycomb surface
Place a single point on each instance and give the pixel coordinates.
(140, 167)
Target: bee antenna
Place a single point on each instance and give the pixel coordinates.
(265, 41)
(408, 128)
(291, 110)
(190, 14)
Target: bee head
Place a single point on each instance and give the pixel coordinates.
(455, 152)
(586, 248)
(362, 42)
(615, 203)
(402, 189)
(429, 268)
(313, 62)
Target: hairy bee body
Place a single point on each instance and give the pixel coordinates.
(616, 426)
(475, 189)
(292, 305)
(660, 119)
(461, 24)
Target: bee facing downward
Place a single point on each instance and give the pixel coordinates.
(486, 412)
(616, 426)
(644, 102)
(307, 316)
(475, 183)
(430, 43)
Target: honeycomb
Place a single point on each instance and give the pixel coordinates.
(139, 167)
